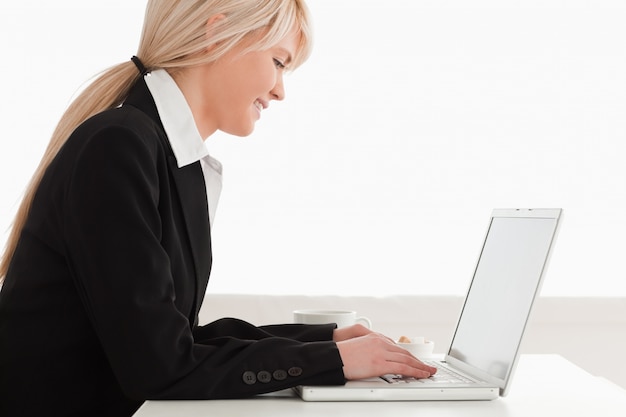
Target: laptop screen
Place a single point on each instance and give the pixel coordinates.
(502, 292)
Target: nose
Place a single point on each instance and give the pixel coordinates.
(278, 92)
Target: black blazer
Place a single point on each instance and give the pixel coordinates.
(99, 309)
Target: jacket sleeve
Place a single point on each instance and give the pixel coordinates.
(300, 332)
(112, 229)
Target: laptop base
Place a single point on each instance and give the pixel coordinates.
(362, 391)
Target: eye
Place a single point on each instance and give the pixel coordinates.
(279, 64)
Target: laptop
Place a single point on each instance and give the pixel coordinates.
(485, 347)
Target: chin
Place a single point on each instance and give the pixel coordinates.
(241, 131)
(240, 134)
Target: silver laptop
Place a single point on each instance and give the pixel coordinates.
(486, 344)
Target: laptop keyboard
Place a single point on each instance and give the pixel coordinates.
(443, 376)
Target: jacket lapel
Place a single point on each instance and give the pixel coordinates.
(192, 194)
(191, 189)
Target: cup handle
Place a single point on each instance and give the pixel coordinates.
(364, 321)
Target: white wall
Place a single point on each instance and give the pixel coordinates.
(410, 122)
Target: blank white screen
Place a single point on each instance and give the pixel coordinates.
(502, 291)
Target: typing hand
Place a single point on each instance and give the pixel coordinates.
(374, 355)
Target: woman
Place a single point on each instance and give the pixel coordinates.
(110, 253)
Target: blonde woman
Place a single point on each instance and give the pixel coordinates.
(110, 254)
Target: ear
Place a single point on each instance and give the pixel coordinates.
(210, 24)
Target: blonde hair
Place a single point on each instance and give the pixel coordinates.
(175, 36)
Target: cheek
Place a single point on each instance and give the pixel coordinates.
(241, 88)
(260, 78)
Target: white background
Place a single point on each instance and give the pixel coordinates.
(377, 174)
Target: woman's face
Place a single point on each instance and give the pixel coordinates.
(231, 93)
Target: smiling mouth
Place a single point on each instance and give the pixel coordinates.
(260, 105)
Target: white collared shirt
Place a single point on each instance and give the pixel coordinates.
(181, 129)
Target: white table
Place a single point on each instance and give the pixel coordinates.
(544, 385)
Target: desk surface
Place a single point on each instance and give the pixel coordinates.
(544, 385)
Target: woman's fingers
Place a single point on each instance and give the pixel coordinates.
(405, 364)
(375, 355)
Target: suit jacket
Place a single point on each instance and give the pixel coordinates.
(99, 309)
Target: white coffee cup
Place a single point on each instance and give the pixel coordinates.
(342, 318)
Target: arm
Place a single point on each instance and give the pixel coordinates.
(243, 330)
(303, 332)
(364, 353)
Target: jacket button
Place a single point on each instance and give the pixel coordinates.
(264, 377)
(295, 371)
(249, 378)
(280, 375)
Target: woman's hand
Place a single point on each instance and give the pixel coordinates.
(373, 355)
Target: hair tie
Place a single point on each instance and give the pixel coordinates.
(142, 69)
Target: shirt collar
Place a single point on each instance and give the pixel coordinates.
(177, 119)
